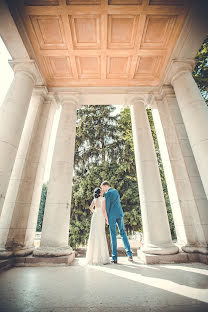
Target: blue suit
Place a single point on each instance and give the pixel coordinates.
(115, 216)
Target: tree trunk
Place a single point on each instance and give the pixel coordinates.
(103, 151)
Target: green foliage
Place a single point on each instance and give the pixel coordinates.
(41, 208)
(104, 151)
(95, 136)
(200, 72)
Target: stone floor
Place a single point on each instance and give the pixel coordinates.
(122, 287)
(135, 245)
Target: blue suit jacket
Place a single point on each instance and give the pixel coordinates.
(113, 204)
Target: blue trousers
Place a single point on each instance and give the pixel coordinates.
(112, 224)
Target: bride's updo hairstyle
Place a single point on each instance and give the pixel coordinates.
(97, 192)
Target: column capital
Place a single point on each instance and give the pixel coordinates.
(68, 98)
(178, 67)
(132, 99)
(52, 98)
(30, 68)
(40, 91)
(165, 90)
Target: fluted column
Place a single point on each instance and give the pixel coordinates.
(194, 112)
(55, 229)
(12, 117)
(20, 210)
(187, 197)
(157, 236)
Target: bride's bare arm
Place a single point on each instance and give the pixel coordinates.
(92, 206)
(104, 211)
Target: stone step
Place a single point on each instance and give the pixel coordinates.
(181, 257)
(6, 264)
(44, 261)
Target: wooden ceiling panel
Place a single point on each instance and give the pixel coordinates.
(88, 67)
(103, 42)
(148, 66)
(121, 31)
(166, 2)
(83, 2)
(118, 67)
(157, 31)
(85, 31)
(58, 67)
(124, 2)
(49, 31)
(40, 2)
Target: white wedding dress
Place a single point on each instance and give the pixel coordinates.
(97, 247)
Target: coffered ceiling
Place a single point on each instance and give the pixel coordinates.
(103, 42)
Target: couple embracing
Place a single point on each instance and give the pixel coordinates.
(106, 209)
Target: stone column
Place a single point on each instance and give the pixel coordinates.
(187, 197)
(12, 117)
(194, 112)
(157, 236)
(17, 227)
(55, 230)
(9, 203)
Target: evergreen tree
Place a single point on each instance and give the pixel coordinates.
(200, 72)
(94, 137)
(106, 153)
(41, 208)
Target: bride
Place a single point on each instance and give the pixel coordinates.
(97, 248)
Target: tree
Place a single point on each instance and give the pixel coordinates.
(94, 137)
(200, 72)
(105, 149)
(41, 208)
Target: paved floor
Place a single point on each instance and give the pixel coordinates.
(122, 287)
(135, 245)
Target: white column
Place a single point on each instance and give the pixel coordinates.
(9, 203)
(12, 117)
(55, 230)
(194, 112)
(43, 139)
(24, 192)
(186, 193)
(157, 236)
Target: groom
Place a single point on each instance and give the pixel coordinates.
(115, 216)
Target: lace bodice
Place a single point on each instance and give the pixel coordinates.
(98, 202)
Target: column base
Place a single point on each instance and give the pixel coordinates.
(4, 253)
(162, 258)
(23, 251)
(8, 253)
(195, 249)
(52, 251)
(181, 257)
(44, 261)
(159, 250)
